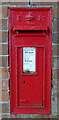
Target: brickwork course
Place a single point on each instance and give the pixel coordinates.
(4, 57)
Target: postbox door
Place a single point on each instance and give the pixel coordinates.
(30, 72)
(30, 34)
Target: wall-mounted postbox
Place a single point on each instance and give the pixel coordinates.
(30, 36)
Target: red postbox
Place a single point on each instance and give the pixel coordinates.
(30, 38)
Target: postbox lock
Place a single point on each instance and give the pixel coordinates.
(24, 81)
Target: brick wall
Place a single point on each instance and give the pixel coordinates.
(4, 59)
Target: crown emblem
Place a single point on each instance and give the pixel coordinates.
(30, 18)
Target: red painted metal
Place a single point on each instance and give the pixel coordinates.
(30, 27)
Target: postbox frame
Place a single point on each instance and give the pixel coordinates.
(13, 92)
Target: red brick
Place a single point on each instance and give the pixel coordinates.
(5, 108)
(5, 84)
(3, 61)
(58, 86)
(5, 95)
(55, 73)
(3, 49)
(58, 95)
(56, 38)
(54, 82)
(41, 2)
(54, 97)
(56, 62)
(3, 24)
(3, 73)
(0, 11)
(10, 1)
(21, 2)
(56, 12)
(3, 36)
(0, 95)
(0, 84)
(55, 50)
(4, 11)
(24, 2)
(55, 26)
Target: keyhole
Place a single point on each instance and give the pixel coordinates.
(24, 81)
